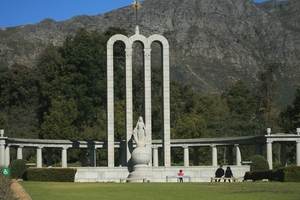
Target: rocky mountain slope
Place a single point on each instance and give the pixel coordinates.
(212, 42)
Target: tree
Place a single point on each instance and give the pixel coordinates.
(18, 86)
(289, 117)
(265, 90)
(2, 121)
(19, 100)
(217, 115)
(189, 126)
(77, 71)
(242, 105)
(59, 121)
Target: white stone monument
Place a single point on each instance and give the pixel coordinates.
(147, 137)
(141, 156)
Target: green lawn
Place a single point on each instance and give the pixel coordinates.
(185, 191)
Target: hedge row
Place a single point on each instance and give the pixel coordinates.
(284, 174)
(49, 174)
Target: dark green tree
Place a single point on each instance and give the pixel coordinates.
(242, 106)
(217, 115)
(77, 71)
(58, 122)
(289, 117)
(19, 96)
(189, 126)
(264, 92)
(2, 121)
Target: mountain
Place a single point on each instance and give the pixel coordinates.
(213, 43)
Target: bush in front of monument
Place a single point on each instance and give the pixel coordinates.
(17, 167)
(258, 163)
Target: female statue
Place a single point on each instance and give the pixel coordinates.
(139, 133)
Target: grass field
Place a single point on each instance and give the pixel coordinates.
(185, 191)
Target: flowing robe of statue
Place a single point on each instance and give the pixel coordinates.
(139, 133)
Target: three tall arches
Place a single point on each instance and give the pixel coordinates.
(147, 93)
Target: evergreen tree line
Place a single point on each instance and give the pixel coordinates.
(64, 97)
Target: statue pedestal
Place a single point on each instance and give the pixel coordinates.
(140, 158)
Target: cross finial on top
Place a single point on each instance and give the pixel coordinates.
(136, 5)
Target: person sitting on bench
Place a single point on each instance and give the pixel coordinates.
(219, 173)
(228, 174)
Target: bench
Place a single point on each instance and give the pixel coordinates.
(167, 178)
(128, 179)
(222, 178)
(30, 164)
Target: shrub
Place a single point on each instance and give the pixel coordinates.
(259, 175)
(258, 163)
(50, 174)
(17, 167)
(5, 189)
(284, 174)
(288, 174)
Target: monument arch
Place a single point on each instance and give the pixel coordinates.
(146, 43)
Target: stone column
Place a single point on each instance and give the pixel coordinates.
(238, 155)
(283, 154)
(7, 156)
(83, 158)
(230, 155)
(155, 156)
(64, 157)
(129, 105)
(269, 154)
(39, 158)
(214, 155)
(20, 152)
(166, 106)
(2, 152)
(298, 152)
(49, 157)
(186, 155)
(2, 148)
(298, 148)
(147, 98)
(110, 103)
(93, 157)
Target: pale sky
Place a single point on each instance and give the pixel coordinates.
(21, 12)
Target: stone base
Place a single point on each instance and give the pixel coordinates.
(114, 174)
(141, 171)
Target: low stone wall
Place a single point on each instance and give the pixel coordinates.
(196, 173)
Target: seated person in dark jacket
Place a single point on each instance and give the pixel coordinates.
(228, 174)
(219, 173)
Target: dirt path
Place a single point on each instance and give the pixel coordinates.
(18, 191)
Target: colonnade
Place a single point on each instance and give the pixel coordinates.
(186, 156)
(64, 145)
(5, 153)
(231, 143)
(282, 139)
